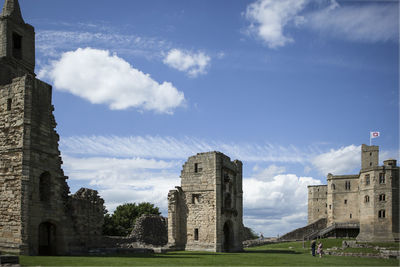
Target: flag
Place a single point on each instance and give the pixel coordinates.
(375, 134)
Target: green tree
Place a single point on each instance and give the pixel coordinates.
(122, 221)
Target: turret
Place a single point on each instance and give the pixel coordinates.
(369, 156)
(17, 41)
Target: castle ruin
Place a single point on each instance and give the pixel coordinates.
(37, 214)
(206, 212)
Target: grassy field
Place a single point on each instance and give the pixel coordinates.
(283, 254)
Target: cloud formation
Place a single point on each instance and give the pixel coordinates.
(272, 197)
(271, 20)
(101, 78)
(125, 180)
(339, 161)
(193, 64)
(181, 148)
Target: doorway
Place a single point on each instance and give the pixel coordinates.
(228, 237)
(47, 239)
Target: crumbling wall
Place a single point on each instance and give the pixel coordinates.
(87, 211)
(151, 229)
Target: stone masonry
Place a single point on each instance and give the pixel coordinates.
(206, 211)
(370, 199)
(37, 214)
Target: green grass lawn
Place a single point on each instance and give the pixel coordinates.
(283, 254)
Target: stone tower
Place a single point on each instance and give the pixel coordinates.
(378, 198)
(37, 216)
(206, 211)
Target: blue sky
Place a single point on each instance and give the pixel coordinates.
(291, 88)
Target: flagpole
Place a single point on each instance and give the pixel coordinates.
(370, 139)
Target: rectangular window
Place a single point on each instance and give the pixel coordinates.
(381, 178)
(367, 179)
(9, 104)
(197, 167)
(330, 207)
(345, 201)
(195, 199)
(351, 215)
(381, 214)
(382, 197)
(196, 234)
(17, 45)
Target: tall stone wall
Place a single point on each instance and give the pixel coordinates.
(11, 168)
(317, 202)
(343, 202)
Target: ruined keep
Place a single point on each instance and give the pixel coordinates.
(37, 214)
(206, 211)
(365, 205)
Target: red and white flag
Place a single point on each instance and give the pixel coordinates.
(375, 134)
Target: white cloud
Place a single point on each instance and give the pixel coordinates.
(273, 199)
(364, 22)
(193, 64)
(270, 17)
(51, 43)
(181, 148)
(369, 22)
(100, 78)
(125, 180)
(340, 161)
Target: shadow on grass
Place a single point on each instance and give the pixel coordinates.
(273, 251)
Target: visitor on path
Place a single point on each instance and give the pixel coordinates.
(313, 245)
(319, 250)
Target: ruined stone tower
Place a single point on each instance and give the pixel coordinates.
(37, 216)
(206, 211)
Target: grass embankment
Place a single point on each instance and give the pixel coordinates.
(282, 254)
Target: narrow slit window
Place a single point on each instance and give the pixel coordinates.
(17, 45)
(9, 104)
(196, 234)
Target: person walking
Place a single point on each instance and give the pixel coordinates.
(319, 250)
(313, 245)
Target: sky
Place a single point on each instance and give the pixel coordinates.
(292, 88)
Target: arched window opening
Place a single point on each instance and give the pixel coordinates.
(44, 187)
(382, 197)
(366, 199)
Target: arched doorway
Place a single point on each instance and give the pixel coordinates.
(47, 239)
(228, 237)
